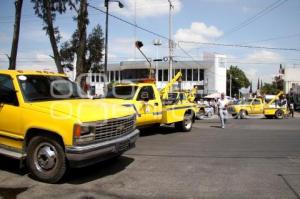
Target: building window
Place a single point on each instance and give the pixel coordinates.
(97, 78)
(117, 75)
(195, 75)
(93, 78)
(159, 75)
(135, 73)
(111, 76)
(201, 76)
(189, 74)
(176, 71)
(166, 75)
(183, 74)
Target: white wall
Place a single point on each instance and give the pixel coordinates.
(291, 76)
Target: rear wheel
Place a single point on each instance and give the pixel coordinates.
(186, 125)
(46, 159)
(243, 114)
(279, 114)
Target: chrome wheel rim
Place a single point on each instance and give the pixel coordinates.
(45, 157)
(187, 122)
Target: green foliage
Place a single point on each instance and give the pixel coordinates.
(94, 50)
(270, 89)
(239, 80)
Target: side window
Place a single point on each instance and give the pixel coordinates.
(146, 89)
(256, 102)
(7, 91)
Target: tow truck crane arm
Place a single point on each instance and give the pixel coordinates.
(274, 98)
(165, 91)
(192, 95)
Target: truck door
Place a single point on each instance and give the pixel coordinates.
(9, 108)
(257, 106)
(148, 106)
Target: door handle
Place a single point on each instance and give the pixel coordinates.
(156, 104)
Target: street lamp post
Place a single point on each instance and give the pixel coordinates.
(156, 43)
(106, 4)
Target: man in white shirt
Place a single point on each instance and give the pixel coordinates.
(222, 106)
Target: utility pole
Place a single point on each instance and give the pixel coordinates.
(170, 41)
(230, 84)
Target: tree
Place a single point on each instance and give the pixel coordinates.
(258, 87)
(269, 89)
(261, 83)
(239, 80)
(251, 90)
(93, 50)
(14, 47)
(47, 10)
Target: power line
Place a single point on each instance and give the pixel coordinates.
(260, 14)
(274, 38)
(130, 23)
(239, 46)
(194, 42)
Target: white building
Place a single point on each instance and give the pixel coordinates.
(291, 77)
(208, 75)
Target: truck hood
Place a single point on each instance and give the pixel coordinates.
(84, 110)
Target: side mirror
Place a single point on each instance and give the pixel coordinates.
(145, 96)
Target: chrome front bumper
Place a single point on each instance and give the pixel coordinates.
(79, 156)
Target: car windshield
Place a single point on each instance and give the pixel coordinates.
(245, 102)
(121, 92)
(172, 96)
(43, 88)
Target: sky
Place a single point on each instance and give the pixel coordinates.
(266, 23)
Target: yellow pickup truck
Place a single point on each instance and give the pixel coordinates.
(152, 108)
(47, 121)
(257, 106)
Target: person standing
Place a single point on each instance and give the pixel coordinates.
(222, 106)
(291, 107)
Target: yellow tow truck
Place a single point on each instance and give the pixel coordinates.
(47, 121)
(258, 106)
(154, 107)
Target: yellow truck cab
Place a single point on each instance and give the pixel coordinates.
(251, 106)
(47, 121)
(151, 107)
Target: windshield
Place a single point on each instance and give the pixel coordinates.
(172, 96)
(121, 92)
(43, 88)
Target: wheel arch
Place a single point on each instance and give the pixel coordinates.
(191, 112)
(32, 132)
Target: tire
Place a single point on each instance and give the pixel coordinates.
(209, 114)
(43, 167)
(235, 116)
(279, 114)
(242, 114)
(186, 125)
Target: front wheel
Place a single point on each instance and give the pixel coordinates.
(279, 114)
(186, 125)
(46, 159)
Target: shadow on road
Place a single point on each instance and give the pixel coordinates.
(12, 166)
(163, 130)
(96, 171)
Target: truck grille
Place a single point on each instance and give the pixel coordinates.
(114, 128)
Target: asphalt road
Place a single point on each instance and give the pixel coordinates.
(253, 158)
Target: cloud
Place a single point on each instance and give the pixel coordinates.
(264, 56)
(262, 64)
(145, 8)
(197, 32)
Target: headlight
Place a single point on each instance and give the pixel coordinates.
(83, 133)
